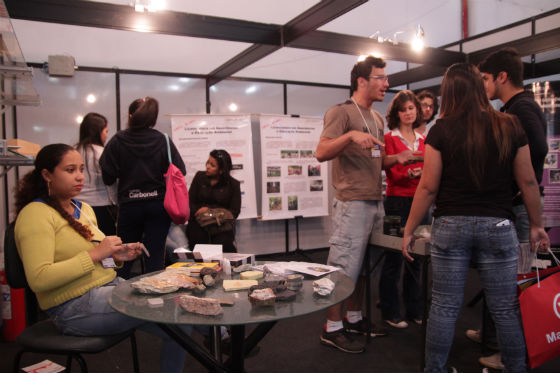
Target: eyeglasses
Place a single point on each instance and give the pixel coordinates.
(379, 77)
(425, 106)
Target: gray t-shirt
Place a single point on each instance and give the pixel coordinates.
(356, 174)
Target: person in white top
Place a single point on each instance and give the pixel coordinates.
(93, 134)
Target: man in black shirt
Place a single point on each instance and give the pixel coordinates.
(502, 74)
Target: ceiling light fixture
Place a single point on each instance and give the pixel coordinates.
(147, 5)
(417, 42)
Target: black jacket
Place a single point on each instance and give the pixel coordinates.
(531, 116)
(226, 194)
(138, 159)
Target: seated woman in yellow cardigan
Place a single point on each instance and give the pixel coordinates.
(68, 261)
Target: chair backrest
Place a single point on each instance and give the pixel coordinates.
(15, 274)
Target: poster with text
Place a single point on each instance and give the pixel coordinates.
(547, 95)
(294, 183)
(195, 136)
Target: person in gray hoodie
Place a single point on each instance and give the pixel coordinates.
(137, 158)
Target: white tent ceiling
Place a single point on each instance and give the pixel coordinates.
(104, 47)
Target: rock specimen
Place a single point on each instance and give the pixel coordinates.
(208, 280)
(270, 279)
(167, 281)
(262, 297)
(242, 268)
(294, 282)
(233, 285)
(199, 289)
(208, 271)
(201, 306)
(251, 275)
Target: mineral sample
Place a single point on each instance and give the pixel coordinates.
(202, 306)
(208, 271)
(208, 280)
(262, 297)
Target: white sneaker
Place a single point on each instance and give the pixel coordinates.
(397, 323)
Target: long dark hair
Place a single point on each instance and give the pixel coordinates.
(224, 163)
(463, 97)
(395, 106)
(142, 113)
(90, 134)
(33, 185)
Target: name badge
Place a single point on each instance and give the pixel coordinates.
(376, 151)
(108, 263)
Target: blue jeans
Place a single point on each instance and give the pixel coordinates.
(391, 272)
(491, 243)
(91, 314)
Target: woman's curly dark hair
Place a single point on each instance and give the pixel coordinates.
(33, 185)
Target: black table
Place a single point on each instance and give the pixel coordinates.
(170, 315)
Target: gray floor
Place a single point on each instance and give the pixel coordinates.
(293, 346)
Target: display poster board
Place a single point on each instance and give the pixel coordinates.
(547, 95)
(197, 135)
(294, 183)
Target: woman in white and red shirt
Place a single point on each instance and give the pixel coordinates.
(403, 117)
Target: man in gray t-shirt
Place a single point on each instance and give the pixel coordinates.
(352, 139)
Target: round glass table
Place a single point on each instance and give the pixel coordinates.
(169, 315)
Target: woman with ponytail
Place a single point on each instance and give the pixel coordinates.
(138, 158)
(67, 260)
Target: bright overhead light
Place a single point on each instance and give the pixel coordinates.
(251, 89)
(173, 87)
(362, 57)
(184, 80)
(417, 44)
(79, 119)
(91, 98)
(418, 39)
(148, 5)
(233, 107)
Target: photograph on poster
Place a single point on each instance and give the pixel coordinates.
(294, 170)
(290, 169)
(273, 187)
(551, 160)
(314, 170)
(273, 171)
(316, 186)
(553, 145)
(554, 176)
(275, 203)
(289, 154)
(292, 202)
(306, 154)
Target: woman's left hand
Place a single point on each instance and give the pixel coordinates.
(128, 251)
(407, 244)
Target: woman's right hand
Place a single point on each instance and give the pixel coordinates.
(201, 210)
(106, 248)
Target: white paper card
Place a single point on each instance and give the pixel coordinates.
(45, 366)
